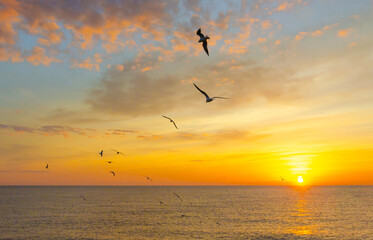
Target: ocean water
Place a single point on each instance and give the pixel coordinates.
(252, 212)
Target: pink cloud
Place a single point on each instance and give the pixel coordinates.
(88, 63)
(261, 40)
(38, 56)
(344, 32)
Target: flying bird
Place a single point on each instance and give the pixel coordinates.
(113, 173)
(208, 99)
(149, 178)
(177, 196)
(203, 40)
(109, 161)
(161, 202)
(119, 152)
(83, 197)
(170, 120)
(102, 152)
(46, 166)
(282, 179)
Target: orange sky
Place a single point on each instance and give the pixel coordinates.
(98, 76)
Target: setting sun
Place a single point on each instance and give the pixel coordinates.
(300, 179)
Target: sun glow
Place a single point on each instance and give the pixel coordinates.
(300, 179)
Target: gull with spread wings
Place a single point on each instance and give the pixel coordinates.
(113, 173)
(208, 99)
(119, 152)
(203, 40)
(170, 121)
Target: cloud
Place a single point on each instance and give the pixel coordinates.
(119, 132)
(49, 130)
(283, 7)
(8, 17)
(344, 32)
(136, 93)
(266, 24)
(7, 54)
(119, 67)
(214, 137)
(88, 63)
(38, 56)
(315, 33)
(64, 116)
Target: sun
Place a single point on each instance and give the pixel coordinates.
(300, 179)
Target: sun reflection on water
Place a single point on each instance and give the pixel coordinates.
(302, 216)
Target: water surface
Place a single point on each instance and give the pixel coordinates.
(253, 212)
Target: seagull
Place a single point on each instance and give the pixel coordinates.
(113, 173)
(119, 152)
(203, 39)
(170, 120)
(102, 152)
(177, 196)
(148, 178)
(46, 166)
(208, 99)
(109, 161)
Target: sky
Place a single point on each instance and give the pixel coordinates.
(78, 77)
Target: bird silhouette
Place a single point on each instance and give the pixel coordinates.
(46, 166)
(113, 173)
(109, 161)
(149, 178)
(208, 99)
(170, 121)
(101, 153)
(203, 39)
(119, 152)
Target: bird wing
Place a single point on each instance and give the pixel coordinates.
(207, 96)
(174, 124)
(113, 173)
(114, 150)
(199, 33)
(166, 117)
(205, 47)
(177, 196)
(221, 97)
(123, 154)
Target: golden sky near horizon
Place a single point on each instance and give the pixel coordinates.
(84, 76)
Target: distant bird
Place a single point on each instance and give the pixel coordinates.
(102, 152)
(282, 179)
(148, 178)
(170, 120)
(208, 99)
(109, 161)
(119, 152)
(46, 166)
(82, 196)
(177, 196)
(112, 173)
(161, 202)
(203, 39)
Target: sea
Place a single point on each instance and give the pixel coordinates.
(186, 212)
